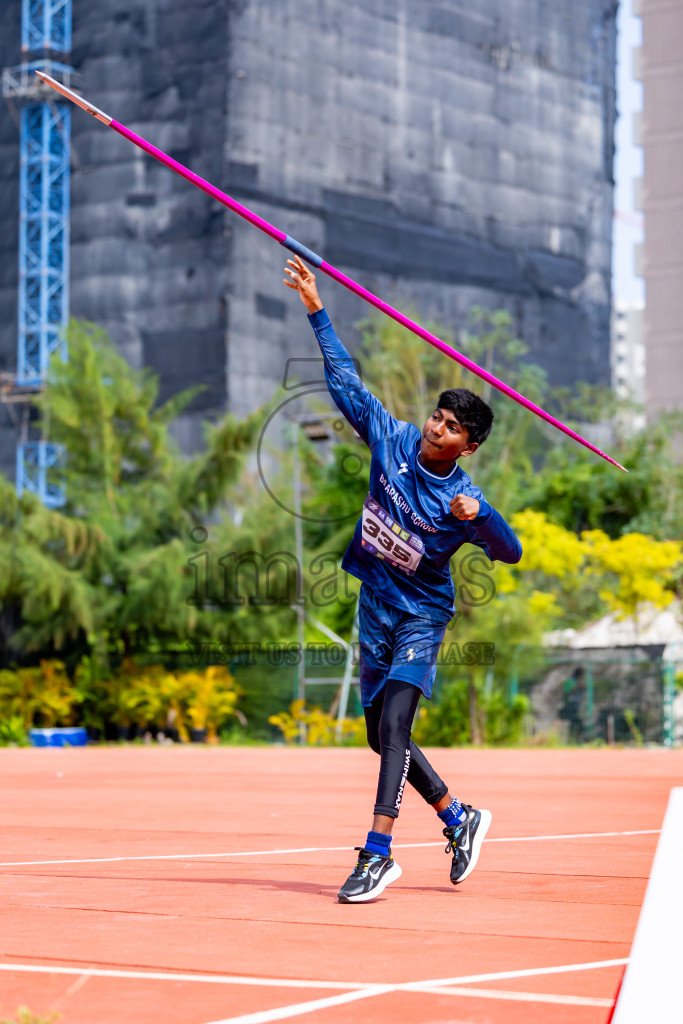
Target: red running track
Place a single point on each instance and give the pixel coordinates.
(146, 884)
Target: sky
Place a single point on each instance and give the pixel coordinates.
(628, 230)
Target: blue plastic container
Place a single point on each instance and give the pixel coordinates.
(74, 737)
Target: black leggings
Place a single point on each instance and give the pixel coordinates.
(389, 720)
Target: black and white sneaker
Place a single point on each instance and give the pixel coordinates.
(464, 842)
(371, 875)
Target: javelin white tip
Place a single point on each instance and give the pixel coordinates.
(75, 98)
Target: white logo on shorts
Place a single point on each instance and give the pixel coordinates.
(410, 654)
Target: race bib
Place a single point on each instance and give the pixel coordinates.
(387, 540)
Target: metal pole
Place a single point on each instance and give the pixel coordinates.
(513, 682)
(346, 681)
(669, 690)
(590, 704)
(299, 555)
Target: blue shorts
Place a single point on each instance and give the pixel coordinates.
(394, 643)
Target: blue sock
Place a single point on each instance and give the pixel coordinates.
(377, 842)
(453, 815)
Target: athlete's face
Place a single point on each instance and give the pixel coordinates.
(444, 439)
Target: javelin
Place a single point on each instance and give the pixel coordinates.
(317, 261)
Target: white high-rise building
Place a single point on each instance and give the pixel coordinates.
(628, 357)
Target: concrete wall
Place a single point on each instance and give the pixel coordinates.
(442, 153)
(149, 259)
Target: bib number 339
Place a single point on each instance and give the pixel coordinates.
(387, 540)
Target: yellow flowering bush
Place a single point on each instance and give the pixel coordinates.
(624, 573)
(547, 547)
(318, 726)
(41, 694)
(152, 695)
(643, 567)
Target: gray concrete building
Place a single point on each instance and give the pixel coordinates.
(659, 64)
(442, 153)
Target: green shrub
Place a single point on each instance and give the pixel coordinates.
(12, 732)
(448, 722)
(152, 696)
(145, 697)
(630, 719)
(39, 696)
(25, 1016)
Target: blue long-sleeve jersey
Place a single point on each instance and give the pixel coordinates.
(406, 536)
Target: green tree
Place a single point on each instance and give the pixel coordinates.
(405, 372)
(110, 571)
(576, 489)
(408, 375)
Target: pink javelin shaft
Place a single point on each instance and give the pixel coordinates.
(317, 261)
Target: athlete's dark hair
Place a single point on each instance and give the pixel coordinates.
(472, 412)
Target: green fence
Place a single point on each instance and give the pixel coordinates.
(269, 688)
(616, 695)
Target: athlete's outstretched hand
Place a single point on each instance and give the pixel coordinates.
(463, 507)
(302, 279)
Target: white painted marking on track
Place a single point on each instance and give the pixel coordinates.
(578, 835)
(235, 979)
(359, 989)
(315, 849)
(282, 1012)
(77, 985)
(180, 856)
(525, 973)
(214, 979)
(522, 997)
(431, 988)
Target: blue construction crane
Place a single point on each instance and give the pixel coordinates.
(43, 237)
(43, 302)
(46, 25)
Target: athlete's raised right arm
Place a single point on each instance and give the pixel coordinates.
(365, 413)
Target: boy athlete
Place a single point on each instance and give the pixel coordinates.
(421, 508)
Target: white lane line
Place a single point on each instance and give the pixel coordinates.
(214, 979)
(234, 979)
(283, 1012)
(317, 849)
(179, 856)
(430, 988)
(526, 973)
(578, 835)
(77, 985)
(522, 997)
(359, 990)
